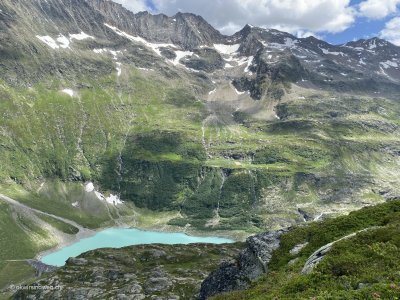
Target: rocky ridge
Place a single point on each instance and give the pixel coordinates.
(258, 56)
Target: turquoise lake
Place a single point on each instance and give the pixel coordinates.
(119, 237)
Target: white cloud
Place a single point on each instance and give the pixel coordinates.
(378, 9)
(230, 27)
(306, 34)
(295, 15)
(134, 5)
(391, 32)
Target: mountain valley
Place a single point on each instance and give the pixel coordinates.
(116, 119)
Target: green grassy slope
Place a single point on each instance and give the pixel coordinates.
(365, 266)
(21, 238)
(145, 137)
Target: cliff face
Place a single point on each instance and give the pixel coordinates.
(183, 29)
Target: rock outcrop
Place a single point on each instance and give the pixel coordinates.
(251, 263)
(138, 272)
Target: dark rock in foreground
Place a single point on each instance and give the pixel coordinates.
(251, 263)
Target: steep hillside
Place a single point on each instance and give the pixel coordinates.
(350, 257)
(219, 130)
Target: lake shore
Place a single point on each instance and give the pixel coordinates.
(68, 240)
(126, 237)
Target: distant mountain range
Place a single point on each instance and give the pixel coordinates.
(186, 40)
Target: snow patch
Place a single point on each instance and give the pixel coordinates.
(63, 41)
(89, 187)
(69, 92)
(326, 51)
(113, 199)
(372, 45)
(75, 204)
(99, 51)
(249, 63)
(80, 36)
(180, 55)
(145, 69)
(240, 93)
(387, 64)
(49, 41)
(226, 49)
(114, 54)
(119, 68)
(153, 46)
(290, 43)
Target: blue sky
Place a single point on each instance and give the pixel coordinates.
(363, 28)
(336, 21)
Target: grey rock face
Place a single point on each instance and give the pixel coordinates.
(316, 258)
(183, 29)
(207, 60)
(251, 264)
(296, 249)
(77, 261)
(41, 267)
(157, 284)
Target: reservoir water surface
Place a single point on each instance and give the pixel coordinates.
(120, 237)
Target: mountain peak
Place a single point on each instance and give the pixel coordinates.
(370, 44)
(186, 30)
(247, 29)
(248, 26)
